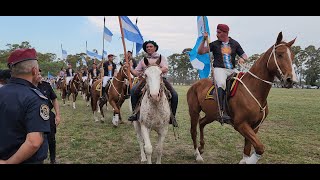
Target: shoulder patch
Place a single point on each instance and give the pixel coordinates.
(44, 112)
(39, 93)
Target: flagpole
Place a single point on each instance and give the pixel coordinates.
(102, 69)
(125, 54)
(133, 42)
(212, 68)
(62, 52)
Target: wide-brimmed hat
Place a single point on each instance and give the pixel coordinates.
(152, 42)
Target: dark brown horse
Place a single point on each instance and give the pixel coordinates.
(85, 90)
(114, 95)
(74, 89)
(248, 107)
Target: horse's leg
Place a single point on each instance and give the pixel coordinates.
(193, 130)
(202, 123)
(101, 103)
(63, 97)
(194, 110)
(116, 111)
(83, 94)
(74, 100)
(147, 143)
(137, 127)
(94, 100)
(161, 136)
(246, 149)
(120, 118)
(245, 130)
(97, 104)
(87, 99)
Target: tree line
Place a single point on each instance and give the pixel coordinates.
(307, 63)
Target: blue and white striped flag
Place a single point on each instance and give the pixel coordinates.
(105, 54)
(132, 32)
(91, 54)
(107, 34)
(84, 62)
(201, 62)
(64, 54)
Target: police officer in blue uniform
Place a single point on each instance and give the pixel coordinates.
(24, 112)
(46, 89)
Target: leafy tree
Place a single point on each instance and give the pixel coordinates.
(312, 65)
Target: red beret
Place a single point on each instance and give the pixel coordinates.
(20, 55)
(223, 27)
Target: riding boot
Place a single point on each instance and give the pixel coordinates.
(127, 96)
(68, 89)
(103, 92)
(221, 94)
(135, 116)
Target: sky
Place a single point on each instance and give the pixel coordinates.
(172, 33)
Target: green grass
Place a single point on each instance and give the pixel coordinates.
(291, 134)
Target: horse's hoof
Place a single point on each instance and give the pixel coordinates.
(242, 161)
(200, 160)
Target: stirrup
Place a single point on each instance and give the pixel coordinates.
(224, 119)
(133, 117)
(173, 121)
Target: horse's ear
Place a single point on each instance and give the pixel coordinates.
(146, 62)
(279, 39)
(289, 44)
(121, 64)
(159, 61)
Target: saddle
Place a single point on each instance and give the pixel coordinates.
(99, 86)
(232, 84)
(231, 87)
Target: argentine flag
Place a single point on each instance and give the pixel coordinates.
(131, 32)
(84, 62)
(107, 34)
(64, 54)
(105, 54)
(201, 62)
(91, 54)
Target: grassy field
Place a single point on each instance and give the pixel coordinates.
(291, 134)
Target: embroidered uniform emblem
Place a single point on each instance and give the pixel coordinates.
(44, 112)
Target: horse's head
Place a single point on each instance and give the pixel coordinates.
(280, 62)
(77, 79)
(123, 71)
(153, 79)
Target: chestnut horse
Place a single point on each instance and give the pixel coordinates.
(114, 95)
(248, 107)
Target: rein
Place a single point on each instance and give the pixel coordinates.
(262, 109)
(112, 84)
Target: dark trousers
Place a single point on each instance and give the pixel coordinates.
(134, 96)
(52, 137)
(174, 99)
